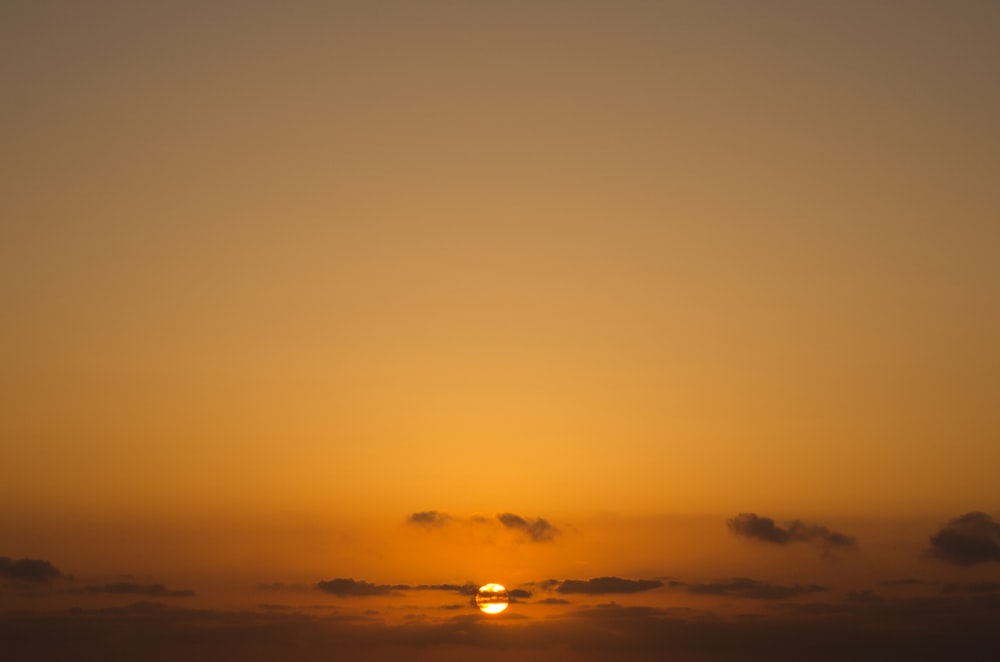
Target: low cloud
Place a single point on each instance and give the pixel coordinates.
(751, 525)
(970, 539)
(358, 589)
(537, 529)
(607, 586)
(129, 588)
(467, 588)
(741, 587)
(35, 571)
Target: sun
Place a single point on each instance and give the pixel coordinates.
(492, 598)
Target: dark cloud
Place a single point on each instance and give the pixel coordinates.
(130, 588)
(429, 518)
(538, 530)
(519, 593)
(607, 586)
(36, 571)
(553, 601)
(467, 588)
(967, 540)
(751, 525)
(741, 587)
(355, 588)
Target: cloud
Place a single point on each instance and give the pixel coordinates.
(967, 540)
(467, 588)
(538, 530)
(129, 588)
(353, 588)
(429, 518)
(607, 586)
(535, 529)
(28, 570)
(751, 525)
(741, 587)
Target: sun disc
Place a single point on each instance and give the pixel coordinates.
(492, 598)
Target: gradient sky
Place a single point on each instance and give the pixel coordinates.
(276, 277)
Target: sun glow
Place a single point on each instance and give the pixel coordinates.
(492, 598)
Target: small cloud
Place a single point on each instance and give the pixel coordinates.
(354, 588)
(751, 525)
(967, 540)
(36, 571)
(429, 518)
(538, 529)
(741, 587)
(129, 588)
(552, 601)
(607, 586)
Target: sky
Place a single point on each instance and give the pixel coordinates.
(679, 319)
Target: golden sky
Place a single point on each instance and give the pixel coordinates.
(278, 276)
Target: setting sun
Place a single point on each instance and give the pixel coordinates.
(492, 598)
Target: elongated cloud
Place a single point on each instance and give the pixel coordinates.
(607, 586)
(751, 525)
(967, 540)
(741, 587)
(35, 571)
(129, 588)
(535, 529)
(356, 588)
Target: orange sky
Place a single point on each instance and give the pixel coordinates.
(283, 274)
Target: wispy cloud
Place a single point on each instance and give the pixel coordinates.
(537, 529)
